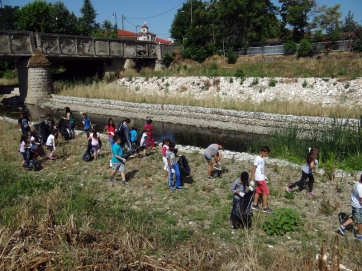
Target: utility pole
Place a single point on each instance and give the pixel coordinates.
(136, 31)
(123, 26)
(115, 17)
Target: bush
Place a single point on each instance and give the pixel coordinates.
(290, 48)
(232, 56)
(273, 82)
(167, 59)
(305, 48)
(282, 221)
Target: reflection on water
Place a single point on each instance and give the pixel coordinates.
(181, 134)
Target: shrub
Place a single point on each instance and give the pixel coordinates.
(232, 56)
(255, 82)
(305, 84)
(167, 59)
(305, 48)
(290, 48)
(282, 221)
(214, 66)
(272, 82)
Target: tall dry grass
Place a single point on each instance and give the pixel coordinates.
(102, 90)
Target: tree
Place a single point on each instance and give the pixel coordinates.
(243, 21)
(297, 14)
(87, 21)
(328, 21)
(106, 31)
(349, 24)
(35, 16)
(8, 17)
(63, 21)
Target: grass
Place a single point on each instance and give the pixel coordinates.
(70, 210)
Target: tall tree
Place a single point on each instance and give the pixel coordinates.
(63, 21)
(8, 17)
(349, 24)
(297, 14)
(108, 30)
(35, 16)
(329, 20)
(88, 20)
(243, 21)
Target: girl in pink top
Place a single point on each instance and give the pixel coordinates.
(149, 130)
(110, 128)
(165, 144)
(94, 137)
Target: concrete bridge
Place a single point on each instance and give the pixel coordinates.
(114, 54)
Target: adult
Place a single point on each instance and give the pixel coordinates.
(212, 151)
(69, 117)
(356, 203)
(149, 131)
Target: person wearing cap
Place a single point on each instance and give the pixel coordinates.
(356, 203)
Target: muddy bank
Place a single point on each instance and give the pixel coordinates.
(232, 120)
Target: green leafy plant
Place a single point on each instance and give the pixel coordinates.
(283, 220)
(305, 48)
(272, 82)
(305, 84)
(290, 48)
(167, 59)
(255, 82)
(232, 56)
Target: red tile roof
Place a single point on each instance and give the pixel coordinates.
(163, 41)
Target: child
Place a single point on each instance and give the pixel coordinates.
(94, 137)
(212, 151)
(173, 167)
(51, 144)
(24, 123)
(239, 188)
(110, 128)
(258, 174)
(87, 124)
(34, 144)
(356, 203)
(23, 147)
(307, 172)
(69, 117)
(149, 129)
(143, 142)
(118, 162)
(165, 144)
(133, 135)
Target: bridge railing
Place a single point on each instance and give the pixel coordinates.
(16, 43)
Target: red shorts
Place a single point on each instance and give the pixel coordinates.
(262, 188)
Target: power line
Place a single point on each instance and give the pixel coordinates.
(156, 15)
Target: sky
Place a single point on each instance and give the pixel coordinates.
(159, 14)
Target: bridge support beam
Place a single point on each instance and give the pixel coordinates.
(35, 83)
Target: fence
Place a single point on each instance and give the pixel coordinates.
(343, 45)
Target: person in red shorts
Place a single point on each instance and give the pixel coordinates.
(258, 174)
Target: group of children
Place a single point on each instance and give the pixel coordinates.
(30, 142)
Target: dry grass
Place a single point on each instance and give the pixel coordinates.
(117, 92)
(85, 223)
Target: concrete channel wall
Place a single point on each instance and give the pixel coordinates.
(249, 122)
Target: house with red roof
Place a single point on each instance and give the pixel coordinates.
(144, 35)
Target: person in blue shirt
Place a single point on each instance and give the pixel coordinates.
(118, 162)
(133, 134)
(87, 125)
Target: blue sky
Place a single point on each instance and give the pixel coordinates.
(159, 14)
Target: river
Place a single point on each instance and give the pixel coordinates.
(181, 134)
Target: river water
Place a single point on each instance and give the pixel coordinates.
(181, 134)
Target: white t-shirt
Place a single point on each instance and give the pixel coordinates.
(259, 171)
(356, 195)
(50, 140)
(143, 139)
(34, 146)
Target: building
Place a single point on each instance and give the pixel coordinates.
(144, 35)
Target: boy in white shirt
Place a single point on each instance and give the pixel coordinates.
(258, 174)
(356, 203)
(51, 144)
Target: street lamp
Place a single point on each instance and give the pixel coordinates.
(114, 15)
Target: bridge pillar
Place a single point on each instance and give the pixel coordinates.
(35, 83)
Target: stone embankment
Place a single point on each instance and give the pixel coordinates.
(250, 122)
(315, 91)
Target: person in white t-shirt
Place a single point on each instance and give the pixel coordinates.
(94, 137)
(356, 203)
(51, 143)
(258, 174)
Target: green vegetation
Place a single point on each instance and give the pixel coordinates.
(283, 220)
